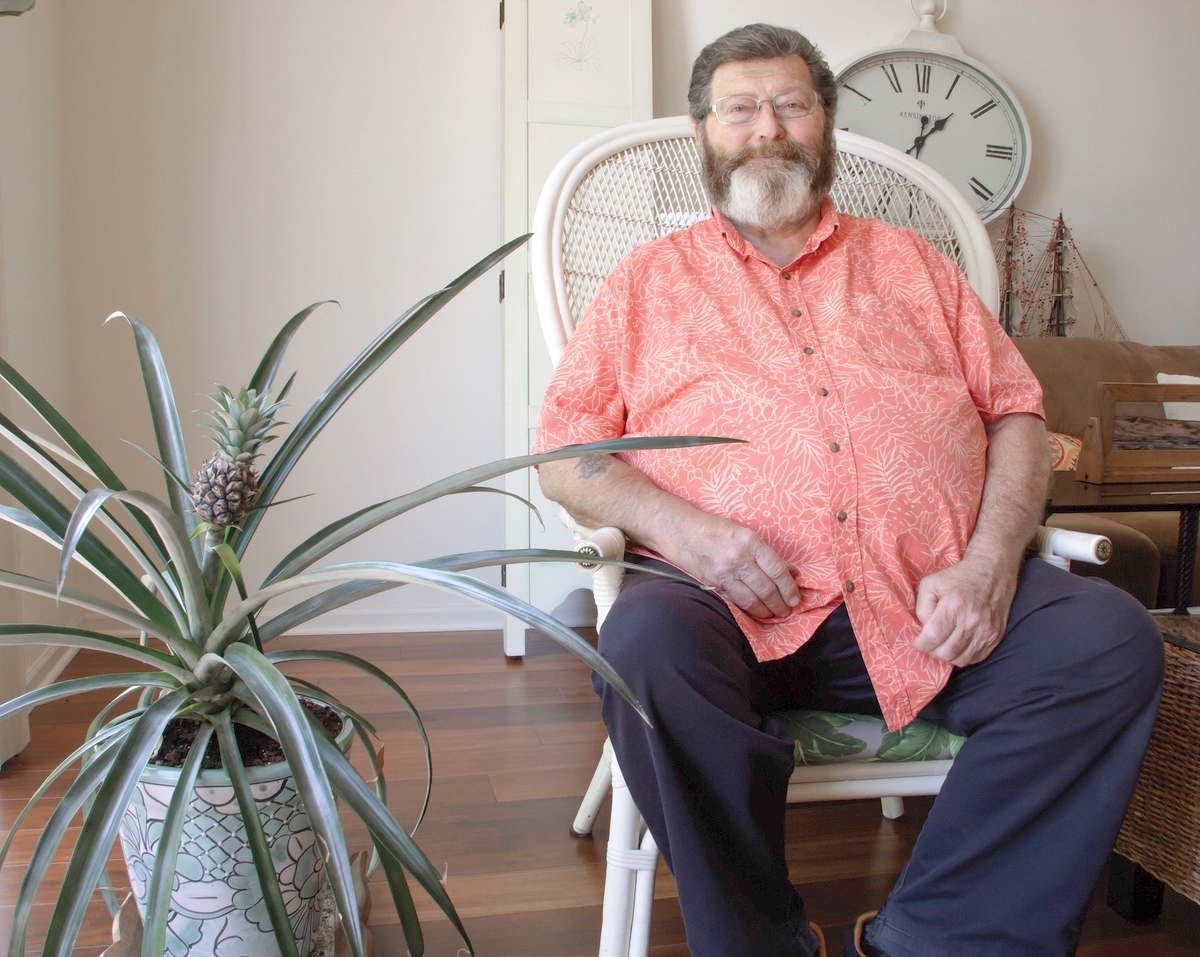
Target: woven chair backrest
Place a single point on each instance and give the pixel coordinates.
(637, 183)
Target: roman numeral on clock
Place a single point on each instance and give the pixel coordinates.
(999, 152)
(865, 98)
(953, 84)
(922, 77)
(889, 70)
(980, 190)
(980, 110)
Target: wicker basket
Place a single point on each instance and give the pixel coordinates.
(1162, 826)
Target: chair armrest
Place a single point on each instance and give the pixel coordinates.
(1061, 546)
(607, 542)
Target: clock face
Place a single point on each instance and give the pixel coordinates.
(946, 112)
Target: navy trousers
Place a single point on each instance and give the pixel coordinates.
(1057, 720)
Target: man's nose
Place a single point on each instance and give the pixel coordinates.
(767, 125)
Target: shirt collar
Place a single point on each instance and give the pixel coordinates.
(737, 242)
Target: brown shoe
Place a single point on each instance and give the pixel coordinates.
(854, 939)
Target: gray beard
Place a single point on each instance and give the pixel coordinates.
(775, 198)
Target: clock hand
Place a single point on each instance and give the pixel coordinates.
(939, 124)
(919, 144)
(920, 140)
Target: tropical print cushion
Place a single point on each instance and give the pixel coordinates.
(1064, 451)
(824, 737)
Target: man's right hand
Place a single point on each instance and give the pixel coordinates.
(603, 490)
(732, 559)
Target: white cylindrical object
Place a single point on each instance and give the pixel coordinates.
(1073, 546)
(607, 542)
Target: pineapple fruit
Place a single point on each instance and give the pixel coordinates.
(226, 485)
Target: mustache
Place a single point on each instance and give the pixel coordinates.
(721, 167)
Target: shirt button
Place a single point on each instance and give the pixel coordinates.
(834, 447)
(797, 312)
(822, 391)
(841, 516)
(808, 350)
(787, 275)
(849, 586)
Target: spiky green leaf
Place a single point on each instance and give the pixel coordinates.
(164, 415)
(158, 890)
(174, 536)
(278, 703)
(95, 840)
(384, 828)
(256, 838)
(346, 529)
(48, 510)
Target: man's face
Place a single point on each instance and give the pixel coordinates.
(771, 173)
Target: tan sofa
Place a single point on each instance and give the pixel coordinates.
(1069, 369)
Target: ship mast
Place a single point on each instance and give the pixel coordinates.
(1057, 324)
(1006, 281)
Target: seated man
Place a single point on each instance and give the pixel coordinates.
(864, 550)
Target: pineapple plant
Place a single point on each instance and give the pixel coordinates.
(201, 636)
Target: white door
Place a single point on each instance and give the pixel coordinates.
(571, 69)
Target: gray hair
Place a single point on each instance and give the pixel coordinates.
(759, 41)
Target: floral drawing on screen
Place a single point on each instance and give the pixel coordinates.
(581, 55)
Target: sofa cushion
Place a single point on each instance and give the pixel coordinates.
(1180, 410)
(1069, 370)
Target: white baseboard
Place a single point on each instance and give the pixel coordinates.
(46, 665)
(371, 621)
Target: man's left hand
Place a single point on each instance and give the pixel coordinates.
(964, 609)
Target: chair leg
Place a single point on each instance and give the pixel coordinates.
(643, 898)
(597, 791)
(893, 807)
(628, 879)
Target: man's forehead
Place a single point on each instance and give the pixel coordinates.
(731, 76)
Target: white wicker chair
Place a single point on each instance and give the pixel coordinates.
(636, 183)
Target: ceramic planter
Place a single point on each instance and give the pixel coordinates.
(217, 905)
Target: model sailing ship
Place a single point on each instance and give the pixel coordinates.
(1046, 289)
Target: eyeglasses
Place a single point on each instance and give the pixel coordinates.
(743, 108)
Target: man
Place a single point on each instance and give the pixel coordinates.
(864, 550)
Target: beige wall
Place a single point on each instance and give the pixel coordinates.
(229, 163)
(1107, 87)
(213, 167)
(32, 301)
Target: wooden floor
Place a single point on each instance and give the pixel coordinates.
(514, 745)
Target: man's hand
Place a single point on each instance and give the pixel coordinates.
(602, 490)
(964, 609)
(736, 562)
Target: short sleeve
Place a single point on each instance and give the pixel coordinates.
(583, 401)
(999, 380)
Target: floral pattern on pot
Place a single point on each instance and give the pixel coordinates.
(217, 904)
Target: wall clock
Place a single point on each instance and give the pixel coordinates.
(924, 97)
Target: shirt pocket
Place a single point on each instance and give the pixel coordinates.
(889, 338)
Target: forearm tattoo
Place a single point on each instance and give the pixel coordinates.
(590, 465)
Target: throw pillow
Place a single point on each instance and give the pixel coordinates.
(1181, 410)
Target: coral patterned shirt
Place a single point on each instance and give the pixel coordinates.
(861, 377)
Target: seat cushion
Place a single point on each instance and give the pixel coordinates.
(825, 737)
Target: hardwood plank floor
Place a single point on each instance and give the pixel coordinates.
(514, 745)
